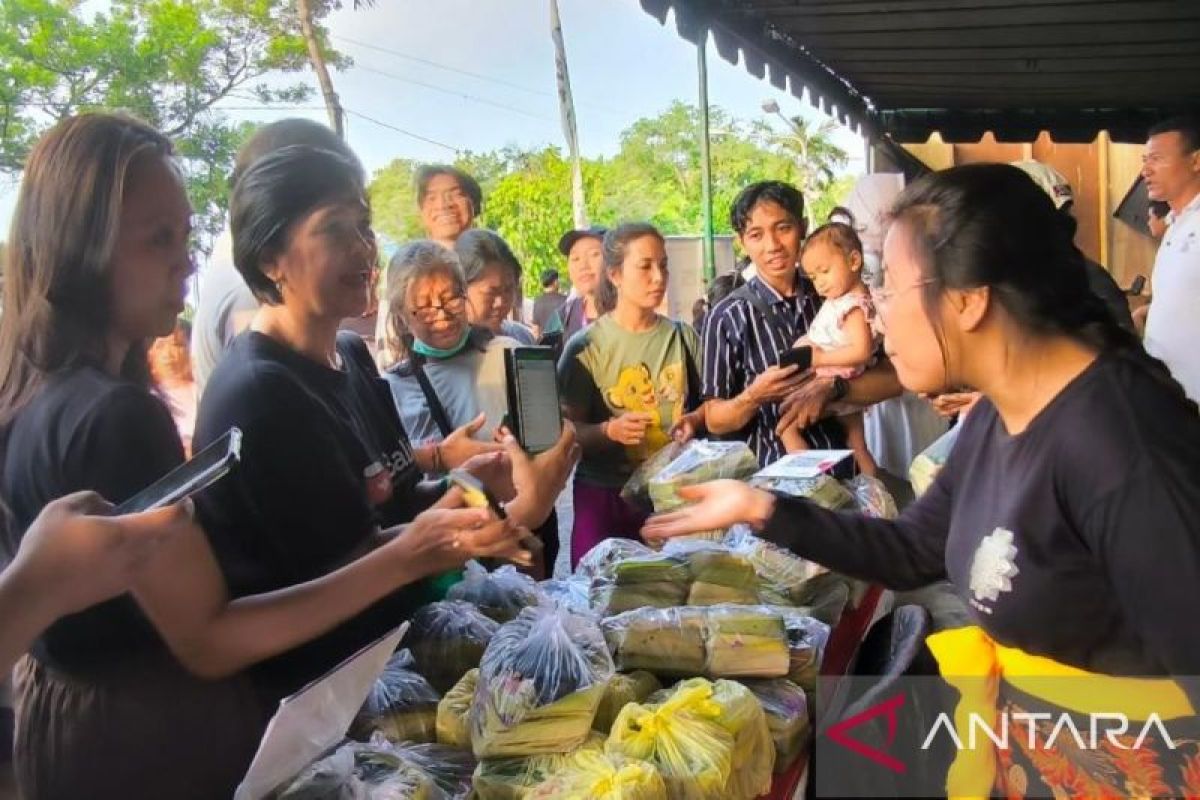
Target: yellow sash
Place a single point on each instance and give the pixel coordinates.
(973, 663)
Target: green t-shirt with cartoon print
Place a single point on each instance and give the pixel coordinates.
(606, 371)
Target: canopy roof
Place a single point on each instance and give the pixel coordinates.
(964, 67)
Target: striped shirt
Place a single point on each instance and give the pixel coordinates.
(739, 345)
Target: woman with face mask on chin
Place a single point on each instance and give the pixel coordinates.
(1073, 484)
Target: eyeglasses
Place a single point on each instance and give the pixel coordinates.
(882, 298)
(450, 306)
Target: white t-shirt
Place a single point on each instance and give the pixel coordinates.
(1173, 325)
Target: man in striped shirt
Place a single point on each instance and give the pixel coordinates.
(745, 334)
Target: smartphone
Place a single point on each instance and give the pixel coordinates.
(203, 470)
(475, 494)
(798, 357)
(533, 405)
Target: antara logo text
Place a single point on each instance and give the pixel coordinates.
(1112, 728)
(1098, 728)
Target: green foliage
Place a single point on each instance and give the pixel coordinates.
(168, 62)
(655, 176)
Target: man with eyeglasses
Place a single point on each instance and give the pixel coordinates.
(1171, 170)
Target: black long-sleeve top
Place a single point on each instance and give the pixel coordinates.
(1077, 539)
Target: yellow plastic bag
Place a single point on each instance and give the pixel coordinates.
(622, 690)
(684, 741)
(599, 776)
(518, 778)
(753, 750)
(453, 712)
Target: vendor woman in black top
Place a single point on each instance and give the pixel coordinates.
(327, 464)
(1068, 514)
(108, 705)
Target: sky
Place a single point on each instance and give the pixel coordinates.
(479, 74)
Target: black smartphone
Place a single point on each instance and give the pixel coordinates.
(533, 405)
(475, 494)
(797, 357)
(203, 470)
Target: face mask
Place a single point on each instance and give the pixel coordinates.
(429, 351)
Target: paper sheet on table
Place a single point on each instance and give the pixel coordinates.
(808, 464)
(315, 718)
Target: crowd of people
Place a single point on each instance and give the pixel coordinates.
(151, 649)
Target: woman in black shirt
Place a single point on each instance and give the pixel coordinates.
(97, 265)
(1068, 514)
(327, 463)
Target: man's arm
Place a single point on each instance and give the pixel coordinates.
(806, 405)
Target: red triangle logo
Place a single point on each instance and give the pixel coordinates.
(838, 733)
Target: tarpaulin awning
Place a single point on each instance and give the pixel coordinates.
(964, 67)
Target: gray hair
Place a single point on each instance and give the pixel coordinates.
(412, 263)
(477, 248)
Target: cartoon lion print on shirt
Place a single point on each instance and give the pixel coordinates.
(637, 391)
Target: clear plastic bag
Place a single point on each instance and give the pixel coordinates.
(500, 594)
(658, 581)
(636, 491)
(720, 576)
(806, 641)
(447, 639)
(622, 690)
(518, 778)
(745, 642)
(872, 498)
(329, 778)
(716, 641)
(401, 706)
(824, 597)
(823, 490)
(540, 682)
(596, 562)
(700, 461)
(786, 707)
(684, 740)
(668, 641)
(926, 466)
(777, 569)
(572, 594)
(449, 768)
(454, 711)
(600, 776)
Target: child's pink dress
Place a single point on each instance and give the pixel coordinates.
(826, 332)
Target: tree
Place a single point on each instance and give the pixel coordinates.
(810, 146)
(169, 62)
(309, 13)
(654, 176)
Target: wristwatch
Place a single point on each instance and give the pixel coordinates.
(841, 388)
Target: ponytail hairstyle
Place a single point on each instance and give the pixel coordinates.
(989, 225)
(616, 245)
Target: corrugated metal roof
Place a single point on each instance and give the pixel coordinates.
(963, 67)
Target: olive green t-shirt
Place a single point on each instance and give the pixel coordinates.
(606, 371)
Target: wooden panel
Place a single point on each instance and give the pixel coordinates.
(1079, 164)
(1131, 253)
(987, 149)
(935, 153)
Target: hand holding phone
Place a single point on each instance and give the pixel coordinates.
(203, 470)
(800, 357)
